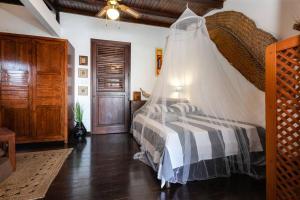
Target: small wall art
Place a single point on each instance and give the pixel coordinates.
(83, 90)
(83, 60)
(82, 73)
(158, 59)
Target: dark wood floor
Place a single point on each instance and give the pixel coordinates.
(103, 168)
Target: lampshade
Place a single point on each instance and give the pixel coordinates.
(113, 13)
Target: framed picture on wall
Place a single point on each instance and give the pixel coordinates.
(83, 60)
(158, 59)
(82, 73)
(83, 90)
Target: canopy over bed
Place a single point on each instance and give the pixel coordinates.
(204, 119)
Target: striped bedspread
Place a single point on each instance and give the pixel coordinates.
(209, 138)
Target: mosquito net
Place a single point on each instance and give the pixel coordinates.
(203, 119)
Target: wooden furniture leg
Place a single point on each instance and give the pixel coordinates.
(12, 151)
(9, 136)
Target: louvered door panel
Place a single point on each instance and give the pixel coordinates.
(110, 71)
(110, 86)
(15, 88)
(283, 120)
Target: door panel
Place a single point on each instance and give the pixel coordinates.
(49, 88)
(49, 85)
(15, 87)
(110, 89)
(16, 119)
(109, 116)
(49, 59)
(50, 125)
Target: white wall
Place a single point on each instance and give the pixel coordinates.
(42, 13)
(16, 19)
(274, 16)
(144, 39)
(288, 14)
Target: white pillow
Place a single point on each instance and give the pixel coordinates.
(184, 107)
(158, 108)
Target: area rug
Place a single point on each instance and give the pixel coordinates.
(35, 172)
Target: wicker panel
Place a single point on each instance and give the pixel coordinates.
(242, 43)
(288, 124)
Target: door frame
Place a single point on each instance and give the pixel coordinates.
(93, 80)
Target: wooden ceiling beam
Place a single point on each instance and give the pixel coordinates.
(51, 6)
(153, 16)
(100, 4)
(207, 3)
(122, 18)
(14, 2)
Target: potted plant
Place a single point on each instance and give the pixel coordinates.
(79, 131)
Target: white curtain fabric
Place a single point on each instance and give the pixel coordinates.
(197, 83)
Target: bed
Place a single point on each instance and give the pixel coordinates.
(218, 147)
(216, 144)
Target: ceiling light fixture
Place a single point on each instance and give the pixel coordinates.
(113, 13)
(113, 9)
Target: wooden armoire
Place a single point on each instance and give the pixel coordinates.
(36, 87)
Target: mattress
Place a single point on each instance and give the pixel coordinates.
(215, 144)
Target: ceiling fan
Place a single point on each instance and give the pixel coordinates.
(113, 8)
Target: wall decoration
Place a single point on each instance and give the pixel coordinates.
(136, 96)
(83, 90)
(144, 93)
(83, 60)
(158, 59)
(82, 73)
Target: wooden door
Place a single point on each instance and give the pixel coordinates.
(49, 82)
(15, 85)
(110, 86)
(283, 119)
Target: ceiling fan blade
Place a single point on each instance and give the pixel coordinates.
(102, 12)
(130, 11)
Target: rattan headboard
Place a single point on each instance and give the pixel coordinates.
(242, 43)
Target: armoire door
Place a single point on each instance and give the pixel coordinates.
(49, 89)
(15, 87)
(110, 86)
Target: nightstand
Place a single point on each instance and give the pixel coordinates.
(134, 106)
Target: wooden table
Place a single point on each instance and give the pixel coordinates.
(134, 106)
(9, 136)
